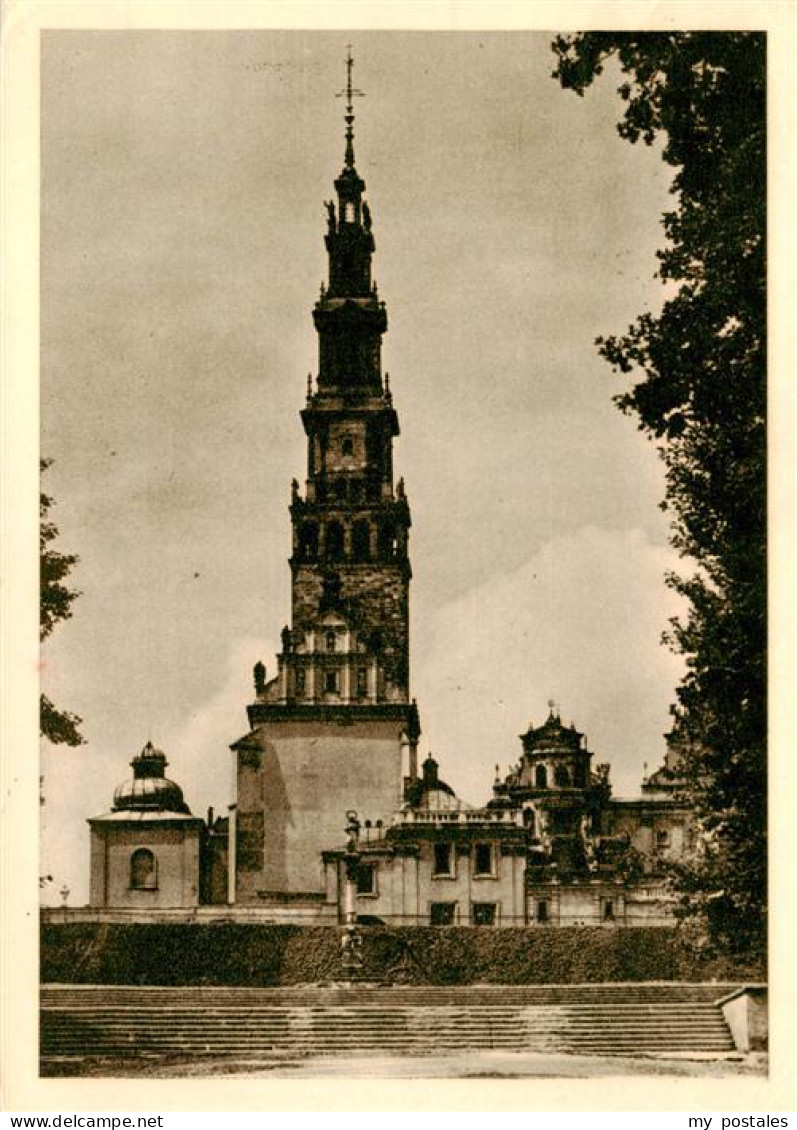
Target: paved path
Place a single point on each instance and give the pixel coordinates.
(499, 1065)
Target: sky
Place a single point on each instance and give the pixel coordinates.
(183, 181)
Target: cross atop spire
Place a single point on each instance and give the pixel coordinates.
(349, 93)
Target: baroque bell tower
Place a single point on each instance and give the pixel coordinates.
(336, 728)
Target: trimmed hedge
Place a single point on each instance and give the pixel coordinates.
(247, 954)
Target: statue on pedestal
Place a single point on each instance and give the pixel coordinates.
(351, 941)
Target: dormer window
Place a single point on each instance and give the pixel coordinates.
(347, 447)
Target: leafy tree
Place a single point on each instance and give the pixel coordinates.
(700, 393)
(55, 604)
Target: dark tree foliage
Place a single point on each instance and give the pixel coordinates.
(55, 604)
(700, 392)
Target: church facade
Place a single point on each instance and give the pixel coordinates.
(550, 848)
(335, 730)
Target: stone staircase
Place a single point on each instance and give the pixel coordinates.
(285, 1024)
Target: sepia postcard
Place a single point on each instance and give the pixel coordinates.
(398, 396)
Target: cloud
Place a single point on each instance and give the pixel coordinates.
(200, 747)
(580, 622)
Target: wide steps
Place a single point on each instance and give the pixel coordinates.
(621, 992)
(240, 1023)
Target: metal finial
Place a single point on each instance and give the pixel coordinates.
(349, 93)
(349, 65)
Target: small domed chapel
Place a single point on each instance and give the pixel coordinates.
(146, 850)
(335, 731)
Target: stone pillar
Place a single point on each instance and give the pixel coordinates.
(406, 771)
(351, 958)
(349, 897)
(413, 759)
(232, 854)
(309, 686)
(351, 860)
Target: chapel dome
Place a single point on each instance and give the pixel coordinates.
(149, 789)
(431, 794)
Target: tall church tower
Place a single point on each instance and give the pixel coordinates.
(336, 729)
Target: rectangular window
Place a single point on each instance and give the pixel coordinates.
(331, 682)
(483, 859)
(442, 913)
(484, 914)
(300, 683)
(443, 859)
(543, 914)
(608, 910)
(366, 879)
(362, 682)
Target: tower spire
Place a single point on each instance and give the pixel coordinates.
(349, 93)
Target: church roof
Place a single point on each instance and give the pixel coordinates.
(441, 800)
(430, 794)
(150, 790)
(145, 816)
(552, 735)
